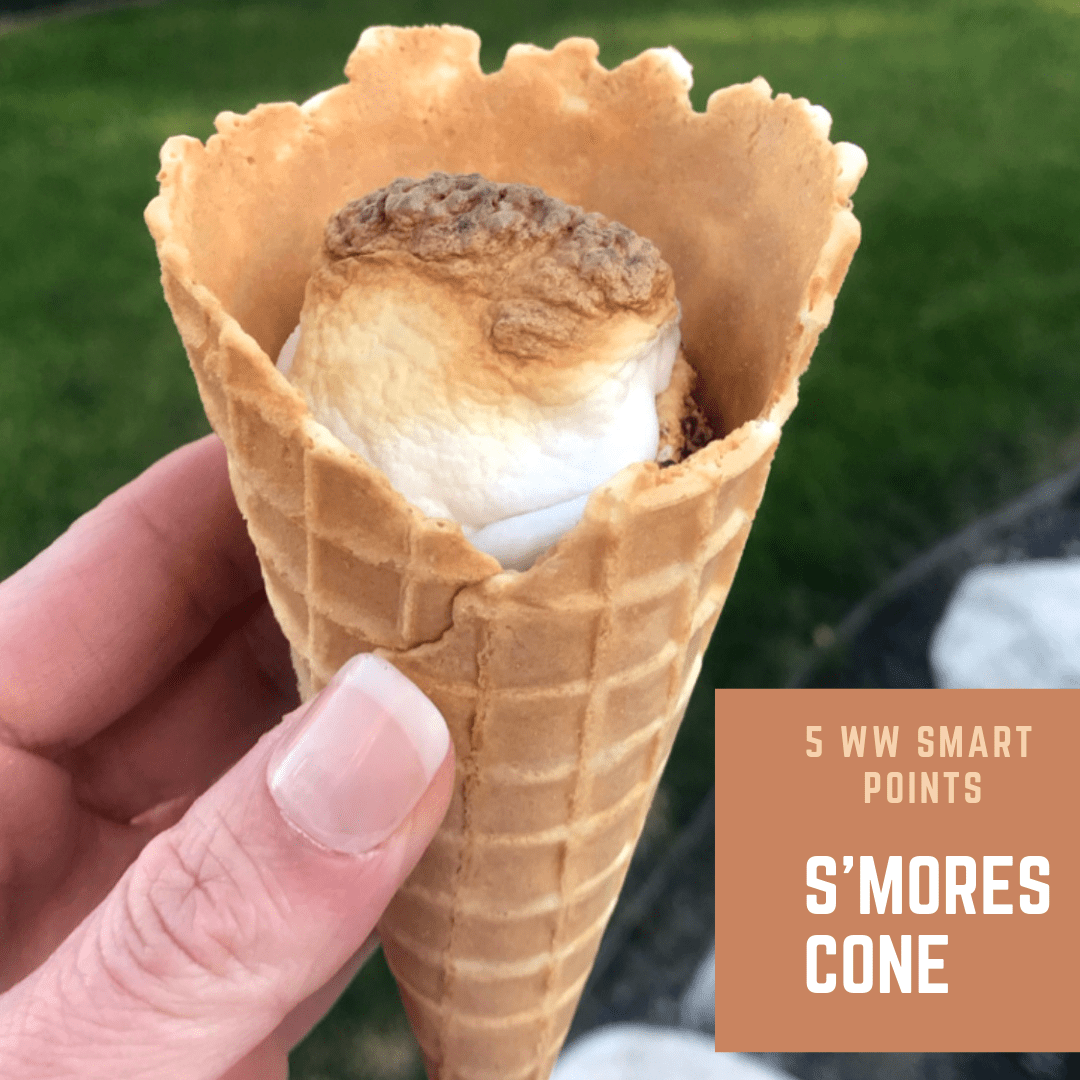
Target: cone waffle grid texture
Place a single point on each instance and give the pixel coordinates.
(497, 930)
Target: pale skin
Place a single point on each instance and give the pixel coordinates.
(139, 662)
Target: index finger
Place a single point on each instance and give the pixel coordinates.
(101, 617)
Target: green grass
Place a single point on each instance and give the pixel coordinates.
(949, 381)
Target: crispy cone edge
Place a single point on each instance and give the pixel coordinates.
(563, 686)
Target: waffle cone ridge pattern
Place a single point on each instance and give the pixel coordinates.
(563, 686)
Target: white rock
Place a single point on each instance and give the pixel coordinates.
(1011, 626)
(633, 1052)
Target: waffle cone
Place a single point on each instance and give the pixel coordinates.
(563, 686)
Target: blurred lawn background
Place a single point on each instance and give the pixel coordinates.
(949, 381)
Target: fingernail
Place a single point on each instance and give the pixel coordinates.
(366, 753)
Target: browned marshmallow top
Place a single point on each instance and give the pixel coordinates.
(547, 267)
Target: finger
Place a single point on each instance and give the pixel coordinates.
(93, 624)
(298, 1024)
(57, 860)
(270, 1059)
(249, 905)
(60, 856)
(163, 816)
(204, 717)
(266, 1062)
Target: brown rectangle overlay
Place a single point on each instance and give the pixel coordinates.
(1011, 978)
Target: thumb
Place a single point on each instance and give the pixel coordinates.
(248, 905)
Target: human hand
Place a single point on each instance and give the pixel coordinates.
(154, 922)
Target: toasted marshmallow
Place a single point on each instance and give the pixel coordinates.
(495, 353)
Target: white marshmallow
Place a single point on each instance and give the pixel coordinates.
(515, 478)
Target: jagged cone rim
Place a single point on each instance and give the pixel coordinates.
(665, 73)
